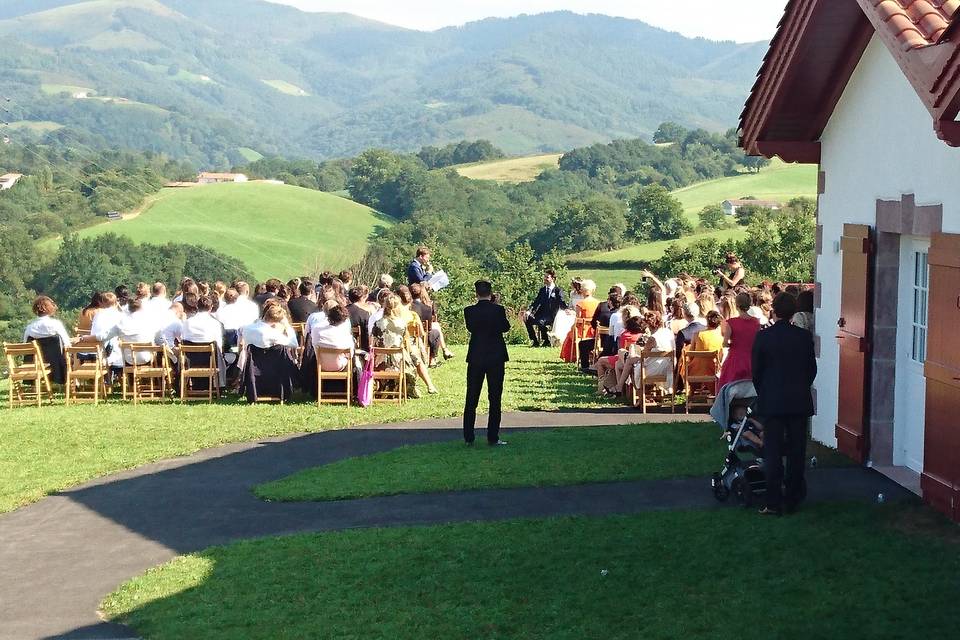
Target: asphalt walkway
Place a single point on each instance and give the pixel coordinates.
(61, 556)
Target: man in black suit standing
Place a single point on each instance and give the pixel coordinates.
(784, 368)
(544, 309)
(486, 358)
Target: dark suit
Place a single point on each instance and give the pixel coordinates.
(486, 358)
(301, 308)
(542, 312)
(784, 368)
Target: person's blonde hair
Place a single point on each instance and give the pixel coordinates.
(392, 306)
(707, 303)
(273, 313)
(628, 311)
(588, 287)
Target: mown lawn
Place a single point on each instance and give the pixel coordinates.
(54, 447)
(513, 170)
(832, 571)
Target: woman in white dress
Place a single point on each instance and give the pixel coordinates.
(565, 318)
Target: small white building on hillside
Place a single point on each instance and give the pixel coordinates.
(870, 91)
(8, 180)
(730, 206)
(220, 178)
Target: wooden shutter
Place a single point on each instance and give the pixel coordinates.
(940, 480)
(854, 336)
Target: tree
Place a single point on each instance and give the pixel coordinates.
(803, 205)
(377, 179)
(746, 213)
(713, 217)
(755, 163)
(656, 215)
(779, 246)
(698, 259)
(669, 132)
(596, 223)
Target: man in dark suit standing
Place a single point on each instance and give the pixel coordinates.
(784, 368)
(486, 358)
(544, 309)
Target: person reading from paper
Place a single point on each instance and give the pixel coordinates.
(420, 269)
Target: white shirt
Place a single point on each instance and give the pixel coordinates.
(316, 319)
(45, 327)
(262, 334)
(236, 315)
(333, 337)
(201, 328)
(136, 327)
(375, 317)
(616, 324)
(248, 309)
(156, 305)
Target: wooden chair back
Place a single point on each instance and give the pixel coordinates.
(381, 377)
(86, 374)
(602, 332)
(198, 362)
(81, 333)
(147, 381)
(651, 382)
(707, 381)
(581, 331)
(357, 336)
(346, 375)
(301, 330)
(416, 332)
(29, 374)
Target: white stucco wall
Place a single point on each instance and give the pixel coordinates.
(879, 143)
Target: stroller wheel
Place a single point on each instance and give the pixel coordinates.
(720, 491)
(741, 489)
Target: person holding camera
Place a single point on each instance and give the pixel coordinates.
(734, 273)
(486, 358)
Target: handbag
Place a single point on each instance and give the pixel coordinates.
(365, 385)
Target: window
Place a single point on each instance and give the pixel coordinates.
(921, 289)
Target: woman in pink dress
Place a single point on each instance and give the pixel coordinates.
(739, 333)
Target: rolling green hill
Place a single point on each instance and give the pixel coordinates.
(779, 181)
(276, 230)
(232, 74)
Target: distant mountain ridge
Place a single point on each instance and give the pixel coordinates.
(202, 79)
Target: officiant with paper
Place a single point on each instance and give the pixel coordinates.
(420, 271)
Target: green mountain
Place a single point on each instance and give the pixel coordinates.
(202, 80)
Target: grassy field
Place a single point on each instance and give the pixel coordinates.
(276, 230)
(285, 87)
(249, 154)
(55, 447)
(36, 126)
(779, 181)
(514, 170)
(839, 571)
(540, 458)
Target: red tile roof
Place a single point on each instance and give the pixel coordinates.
(916, 23)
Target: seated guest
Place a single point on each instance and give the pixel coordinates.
(424, 308)
(46, 325)
(695, 324)
(304, 304)
(634, 331)
(158, 302)
(270, 289)
(186, 285)
(604, 315)
(123, 296)
(171, 325)
(709, 339)
(85, 320)
(201, 327)
(293, 286)
(677, 320)
(336, 334)
(803, 318)
(346, 278)
(51, 335)
(271, 330)
(392, 331)
(628, 310)
(544, 309)
(383, 284)
(378, 313)
(651, 358)
(707, 303)
(360, 312)
(251, 310)
(143, 291)
(584, 312)
(762, 306)
(112, 326)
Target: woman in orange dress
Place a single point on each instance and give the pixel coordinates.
(584, 312)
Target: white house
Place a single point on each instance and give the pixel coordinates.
(218, 178)
(870, 90)
(730, 206)
(8, 180)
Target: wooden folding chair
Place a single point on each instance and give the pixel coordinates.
(346, 376)
(301, 330)
(601, 333)
(581, 331)
(647, 381)
(689, 381)
(398, 376)
(81, 333)
(86, 378)
(29, 374)
(157, 372)
(415, 331)
(357, 337)
(199, 362)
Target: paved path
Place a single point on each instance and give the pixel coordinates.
(61, 556)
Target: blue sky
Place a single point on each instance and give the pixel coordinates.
(739, 20)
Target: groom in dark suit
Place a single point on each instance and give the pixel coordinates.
(784, 367)
(486, 358)
(544, 309)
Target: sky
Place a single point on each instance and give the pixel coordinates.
(738, 20)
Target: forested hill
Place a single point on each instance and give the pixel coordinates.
(208, 81)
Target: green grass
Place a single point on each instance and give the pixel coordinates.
(845, 571)
(779, 181)
(276, 230)
(56, 89)
(249, 154)
(36, 126)
(56, 447)
(513, 170)
(285, 87)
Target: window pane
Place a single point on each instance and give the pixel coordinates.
(923, 307)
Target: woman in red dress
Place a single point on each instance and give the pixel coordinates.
(739, 333)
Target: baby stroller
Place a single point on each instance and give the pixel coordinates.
(742, 474)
